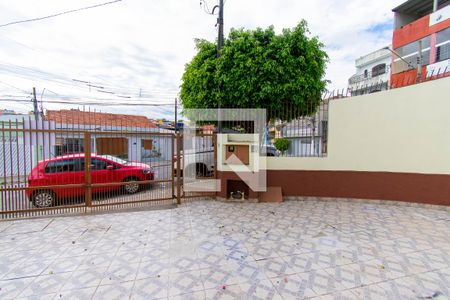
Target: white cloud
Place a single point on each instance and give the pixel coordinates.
(144, 44)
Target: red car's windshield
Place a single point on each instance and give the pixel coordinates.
(114, 159)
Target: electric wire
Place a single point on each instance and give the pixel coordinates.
(33, 74)
(59, 14)
(90, 103)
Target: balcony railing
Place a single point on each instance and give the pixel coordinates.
(369, 75)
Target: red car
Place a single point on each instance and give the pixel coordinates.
(69, 169)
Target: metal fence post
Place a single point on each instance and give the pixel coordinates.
(178, 168)
(215, 159)
(172, 139)
(87, 169)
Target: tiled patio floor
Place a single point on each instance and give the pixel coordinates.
(214, 250)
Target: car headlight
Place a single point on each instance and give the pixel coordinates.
(147, 171)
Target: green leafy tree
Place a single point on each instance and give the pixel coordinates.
(258, 69)
(282, 144)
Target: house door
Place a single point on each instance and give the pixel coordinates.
(112, 146)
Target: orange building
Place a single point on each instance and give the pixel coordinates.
(421, 29)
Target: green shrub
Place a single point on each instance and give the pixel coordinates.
(282, 144)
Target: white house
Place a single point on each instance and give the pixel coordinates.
(372, 73)
(115, 135)
(20, 149)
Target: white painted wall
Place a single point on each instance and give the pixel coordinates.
(400, 130)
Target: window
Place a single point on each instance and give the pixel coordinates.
(410, 53)
(114, 159)
(66, 165)
(69, 145)
(443, 36)
(147, 144)
(413, 47)
(98, 164)
(443, 45)
(443, 52)
(378, 70)
(306, 140)
(366, 73)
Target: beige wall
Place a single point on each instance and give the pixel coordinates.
(223, 140)
(401, 130)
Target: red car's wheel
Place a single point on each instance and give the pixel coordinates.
(131, 187)
(43, 199)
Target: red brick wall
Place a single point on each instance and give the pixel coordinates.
(407, 187)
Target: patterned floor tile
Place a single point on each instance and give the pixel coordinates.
(10, 289)
(120, 272)
(274, 267)
(65, 264)
(370, 274)
(96, 261)
(213, 278)
(129, 255)
(374, 249)
(154, 254)
(200, 295)
(347, 275)
(382, 291)
(433, 282)
(151, 288)
(263, 251)
(76, 250)
(84, 279)
(117, 291)
(406, 288)
(78, 294)
(39, 297)
(153, 268)
(342, 295)
(106, 246)
(44, 285)
(260, 290)
(183, 264)
(247, 271)
(293, 287)
(184, 283)
(230, 292)
(28, 269)
(212, 260)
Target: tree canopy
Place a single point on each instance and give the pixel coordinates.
(258, 69)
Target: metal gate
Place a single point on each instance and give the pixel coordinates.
(51, 168)
(201, 163)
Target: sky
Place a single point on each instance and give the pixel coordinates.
(135, 51)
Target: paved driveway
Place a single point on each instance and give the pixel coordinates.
(214, 250)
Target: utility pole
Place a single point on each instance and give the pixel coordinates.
(220, 23)
(220, 41)
(35, 105)
(219, 48)
(419, 63)
(176, 115)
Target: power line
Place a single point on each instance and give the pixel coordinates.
(70, 98)
(10, 85)
(59, 14)
(33, 74)
(91, 103)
